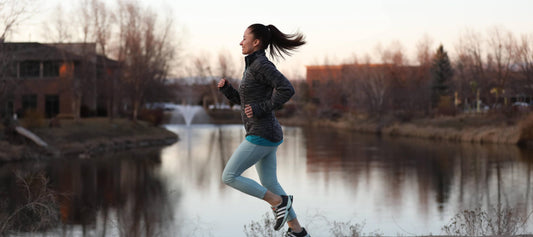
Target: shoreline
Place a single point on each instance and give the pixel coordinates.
(468, 128)
(90, 137)
(86, 138)
(479, 129)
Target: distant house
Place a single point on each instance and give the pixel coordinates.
(329, 81)
(53, 79)
(360, 87)
(323, 74)
(410, 85)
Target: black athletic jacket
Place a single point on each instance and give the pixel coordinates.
(265, 89)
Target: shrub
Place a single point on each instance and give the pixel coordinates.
(499, 221)
(346, 229)
(33, 119)
(37, 208)
(262, 228)
(445, 106)
(153, 116)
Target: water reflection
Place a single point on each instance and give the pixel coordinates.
(437, 178)
(398, 186)
(107, 196)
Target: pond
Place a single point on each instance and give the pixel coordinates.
(339, 179)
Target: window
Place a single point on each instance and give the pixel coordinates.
(51, 105)
(30, 69)
(29, 102)
(51, 68)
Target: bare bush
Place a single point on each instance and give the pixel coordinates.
(262, 228)
(36, 208)
(498, 221)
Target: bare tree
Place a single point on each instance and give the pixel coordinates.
(502, 45)
(205, 79)
(227, 70)
(524, 61)
(145, 50)
(59, 29)
(226, 66)
(424, 52)
(67, 27)
(103, 20)
(350, 77)
(396, 67)
(471, 79)
(12, 13)
(374, 87)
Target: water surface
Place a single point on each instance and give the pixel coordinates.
(393, 186)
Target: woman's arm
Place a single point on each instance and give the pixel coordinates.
(231, 93)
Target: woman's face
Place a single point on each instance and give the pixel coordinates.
(249, 43)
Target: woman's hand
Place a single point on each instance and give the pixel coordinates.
(221, 83)
(248, 111)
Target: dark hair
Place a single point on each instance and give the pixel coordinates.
(279, 42)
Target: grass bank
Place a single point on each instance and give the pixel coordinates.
(486, 128)
(88, 137)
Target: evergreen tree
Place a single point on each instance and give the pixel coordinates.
(441, 75)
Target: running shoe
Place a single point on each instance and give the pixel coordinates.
(281, 212)
(303, 233)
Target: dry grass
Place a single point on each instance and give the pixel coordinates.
(466, 128)
(485, 128)
(526, 128)
(488, 134)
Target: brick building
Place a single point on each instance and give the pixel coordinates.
(53, 79)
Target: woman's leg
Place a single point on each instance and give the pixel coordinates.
(267, 171)
(246, 155)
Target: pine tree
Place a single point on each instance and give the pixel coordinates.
(441, 75)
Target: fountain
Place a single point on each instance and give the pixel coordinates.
(188, 114)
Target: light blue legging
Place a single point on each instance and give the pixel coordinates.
(264, 159)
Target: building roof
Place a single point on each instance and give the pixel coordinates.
(22, 51)
(37, 51)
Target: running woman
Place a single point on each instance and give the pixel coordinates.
(263, 90)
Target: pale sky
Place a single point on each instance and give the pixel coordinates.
(335, 30)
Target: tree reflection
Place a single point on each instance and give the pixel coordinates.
(465, 176)
(119, 195)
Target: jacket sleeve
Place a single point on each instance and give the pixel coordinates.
(231, 93)
(283, 90)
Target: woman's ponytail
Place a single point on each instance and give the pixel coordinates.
(278, 42)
